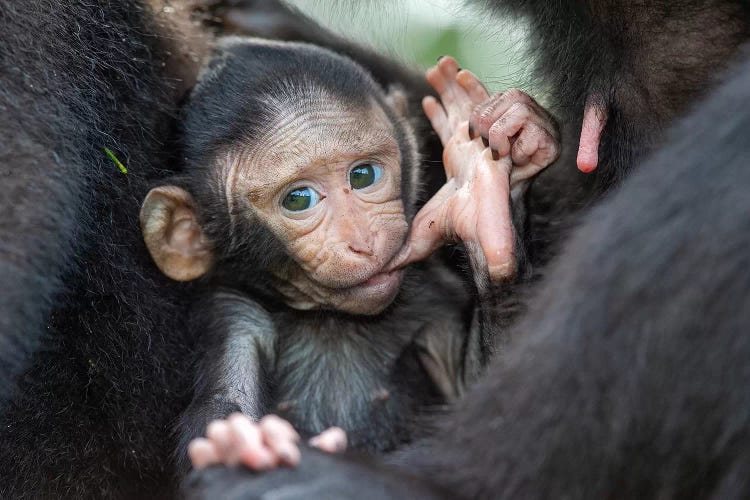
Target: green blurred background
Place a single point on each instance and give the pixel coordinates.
(419, 31)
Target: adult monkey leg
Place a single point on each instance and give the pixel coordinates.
(630, 379)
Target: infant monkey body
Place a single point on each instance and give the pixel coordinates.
(300, 179)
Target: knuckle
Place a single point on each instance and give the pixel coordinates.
(485, 115)
(271, 419)
(498, 126)
(493, 99)
(520, 109)
(520, 145)
(518, 95)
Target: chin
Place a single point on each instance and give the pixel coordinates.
(372, 296)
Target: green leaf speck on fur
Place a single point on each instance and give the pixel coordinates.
(117, 162)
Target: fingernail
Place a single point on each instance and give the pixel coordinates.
(440, 57)
(485, 142)
(495, 155)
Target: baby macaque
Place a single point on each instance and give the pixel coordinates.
(292, 215)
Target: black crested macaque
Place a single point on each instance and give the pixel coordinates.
(631, 377)
(291, 212)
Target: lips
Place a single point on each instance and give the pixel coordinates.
(379, 278)
(382, 283)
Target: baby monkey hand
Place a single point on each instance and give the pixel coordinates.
(491, 145)
(260, 446)
(509, 123)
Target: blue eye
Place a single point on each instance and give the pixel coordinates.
(300, 199)
(365, 175)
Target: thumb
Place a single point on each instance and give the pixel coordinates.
(428, 231)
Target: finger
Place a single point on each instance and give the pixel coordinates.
(281, 438)
(250, 449)
(331, 440)
(202, 453)
(454, 98)
(448, 67)
(494, 222)
(472, 86)
(526, 144)
(438, 118)
(428, 230)
(220, 435)
(436, 79)
(532, 151)
(503, 130)
(534, 144)
(488, 112)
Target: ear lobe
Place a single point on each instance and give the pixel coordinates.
(398, 100)
(172, 234)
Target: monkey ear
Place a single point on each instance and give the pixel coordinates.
(398, 100)
(172, 234)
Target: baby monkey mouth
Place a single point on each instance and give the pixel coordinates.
(382, 287)
(382, 277)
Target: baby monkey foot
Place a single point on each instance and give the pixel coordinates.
(460, 91)
(260, 446)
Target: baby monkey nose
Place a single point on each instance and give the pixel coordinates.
(361, 248)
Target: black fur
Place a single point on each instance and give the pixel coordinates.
(630, 379)
(92, 414)
(646, 62)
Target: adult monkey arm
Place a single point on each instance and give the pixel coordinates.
(277, 20)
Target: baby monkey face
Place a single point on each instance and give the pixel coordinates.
(327, 181)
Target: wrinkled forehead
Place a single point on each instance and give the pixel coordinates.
(316, 130)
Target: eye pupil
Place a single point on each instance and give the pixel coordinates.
(300, 199)
(362, 176)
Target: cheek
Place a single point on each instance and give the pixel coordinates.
(311, 248)
(388, 222)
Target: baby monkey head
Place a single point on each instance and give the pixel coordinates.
(300, 177)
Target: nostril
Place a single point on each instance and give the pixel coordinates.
(362, 250)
